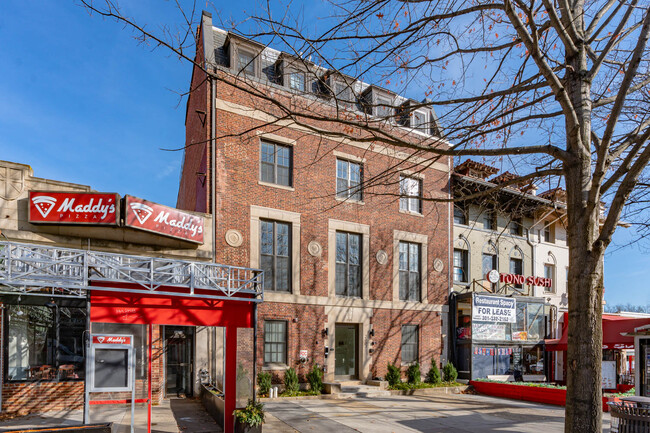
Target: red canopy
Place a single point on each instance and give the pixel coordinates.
(613, 326)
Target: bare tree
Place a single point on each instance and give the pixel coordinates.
(553, 88)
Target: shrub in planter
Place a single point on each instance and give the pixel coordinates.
(315, 379)
(449, 373)
(249, 419)
(393, 375)
(291, 384)
(264, 383)
(433, 375)
(413, 374)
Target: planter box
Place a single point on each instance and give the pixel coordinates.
(244, 428)
(535, 394)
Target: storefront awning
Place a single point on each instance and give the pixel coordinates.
(613, 327)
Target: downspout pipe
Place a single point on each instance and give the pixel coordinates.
(213, 166)
(532, 254)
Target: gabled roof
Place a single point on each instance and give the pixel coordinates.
(555, 194)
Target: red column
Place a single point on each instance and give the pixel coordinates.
(149, 358)
(231, 378)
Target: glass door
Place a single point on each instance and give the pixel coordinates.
(345, 352)
(179, 352)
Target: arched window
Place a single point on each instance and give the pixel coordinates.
(550, 272)
(489, 261)
(517, 263)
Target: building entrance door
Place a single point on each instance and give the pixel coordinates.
(179, 352)
(345, 352)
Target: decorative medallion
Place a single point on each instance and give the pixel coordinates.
(315, 249)
(382, 257)
(234, 238)
(438, 265)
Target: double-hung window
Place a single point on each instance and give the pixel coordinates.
(516, 268)
(275, 255)
(516, 227)
(348, 264)
(410, 349)
(297, 81)
(460, 266)
(410, 189)
(489, 220)
(348, 180)
(275, 164)
(548, 234)
(409, 271)
(275, 342)
(246, 62)
(549, 272)
(419, 120)
(384, 108)
(460, 214)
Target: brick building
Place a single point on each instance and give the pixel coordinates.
(355, 256)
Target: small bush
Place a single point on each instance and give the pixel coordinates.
(393, 375)
(433, 375)
(252, 415)
(413, 374)
(291, 383)
(263, 383)
(449, 372)
(315, 379)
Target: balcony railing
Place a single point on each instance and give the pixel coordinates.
(43, 270)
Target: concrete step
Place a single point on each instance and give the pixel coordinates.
(357, 391)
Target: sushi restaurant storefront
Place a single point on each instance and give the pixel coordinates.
(499, 337)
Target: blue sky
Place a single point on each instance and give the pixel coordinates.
(81, 101)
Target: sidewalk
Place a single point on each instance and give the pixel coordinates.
(461, 413)
(171, 416)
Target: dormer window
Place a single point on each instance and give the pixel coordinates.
(384, 108)
(419, 121)
(297, 81)
(343, 94)
(245, 62)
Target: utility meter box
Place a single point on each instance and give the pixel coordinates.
(111, 363)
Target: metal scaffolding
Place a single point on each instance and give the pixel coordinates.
(30, 269)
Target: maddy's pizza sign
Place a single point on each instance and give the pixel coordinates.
(167, 221)
(74, 208)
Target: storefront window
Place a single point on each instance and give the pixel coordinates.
(535, 321)
(44, 342)
(533, 360)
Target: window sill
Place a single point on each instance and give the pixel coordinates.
(408, 364)
(349, 200)
(275, 185)
(408, 212)
(274, 367)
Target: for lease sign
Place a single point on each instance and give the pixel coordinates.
(153, 217)
(494, 309)
(74, 208)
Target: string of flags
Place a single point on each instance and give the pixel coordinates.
(490, 351)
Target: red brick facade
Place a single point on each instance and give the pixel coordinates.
(242, 120)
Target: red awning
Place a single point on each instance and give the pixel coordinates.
(613, 326)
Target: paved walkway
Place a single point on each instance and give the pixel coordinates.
(171, 416)
(425, 414)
